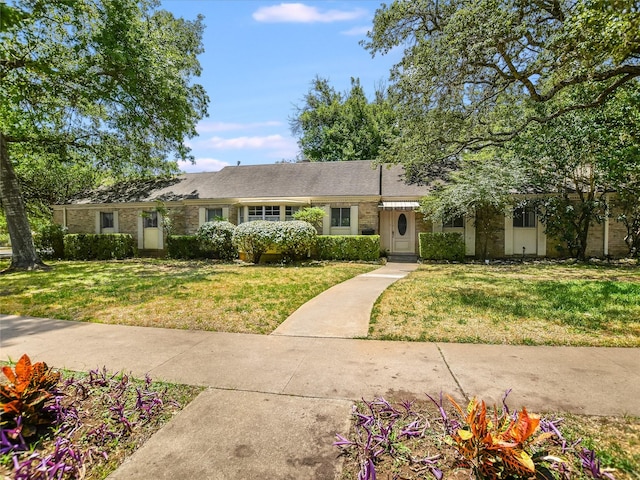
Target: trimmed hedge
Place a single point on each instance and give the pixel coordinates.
(185, 247)
(216, 240)
(294, 239)
(348, 247)
(442, 246)
(106, 246)
(254, 238)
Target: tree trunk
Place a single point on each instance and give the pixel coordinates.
(24, 252)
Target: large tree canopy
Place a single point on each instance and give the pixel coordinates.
(332, 126)
(476, 73)
(99, 83)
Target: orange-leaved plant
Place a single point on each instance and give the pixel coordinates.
(495, 445)
(23, 399)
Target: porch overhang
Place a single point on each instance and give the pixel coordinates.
(406, 205)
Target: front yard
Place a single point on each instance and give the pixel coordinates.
(518, 304)
(171, 294)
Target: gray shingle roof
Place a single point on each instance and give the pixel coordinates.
(307, 179)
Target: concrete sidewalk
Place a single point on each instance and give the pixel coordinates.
(276, 402)
(344, 310)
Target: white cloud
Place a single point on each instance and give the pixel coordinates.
(356, 31)
(203, 165)
(301, 13)
(208, 127)
(256, 142)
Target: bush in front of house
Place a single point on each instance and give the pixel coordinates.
(254, 238)
(49, 241)
(441, 246)
(104, 246)
(294, 239)
(216, 240)
(348, 247)
(184, 247)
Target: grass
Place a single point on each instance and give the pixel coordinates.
(615, 441)
(99, 419)
(520, 304)
(171, 294)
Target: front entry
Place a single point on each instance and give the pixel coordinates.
(398, 231)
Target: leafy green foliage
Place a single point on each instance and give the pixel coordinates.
(332, 126)
(254, 238)
(348, 247)
(476, 74)
(184, 247)
(24, 398)
(216, 239)
(312, 215)
(49, 241)
(106, 246)
(441, 246)
(89, 87)
(294, 239)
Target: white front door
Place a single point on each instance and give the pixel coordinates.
(403, 227)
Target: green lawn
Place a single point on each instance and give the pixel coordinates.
(171, 294)
(513, 304)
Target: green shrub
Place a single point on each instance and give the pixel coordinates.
(442, 246)
(216, 240)
(254, 238)
(348, 247)
(312, 215)
(4, 239)
(294, 239)
(49, 241)
(106, 246)
(185, 247)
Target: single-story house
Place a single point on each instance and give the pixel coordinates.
(359, 197)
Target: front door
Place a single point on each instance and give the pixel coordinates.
(402, 231)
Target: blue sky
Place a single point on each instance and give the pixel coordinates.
(260, 58)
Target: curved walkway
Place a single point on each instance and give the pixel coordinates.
(344, 310)
(274, 403)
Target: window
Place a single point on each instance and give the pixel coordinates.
(106, 220)
(270, 213)
(524, 217)
(150, 219)
(455, 222)
(341, 217)
(213, 214)
(289, 211)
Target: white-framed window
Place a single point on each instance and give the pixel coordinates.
(270, 213)
(213, 214)
(455, 222)
(289, 211)
(150, 219)
(524, 217)
(341, 217)
(106, 220)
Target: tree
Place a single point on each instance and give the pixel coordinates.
(100, 83)
(581, 158)
(331, 126)
(477, 74)
(481, 188)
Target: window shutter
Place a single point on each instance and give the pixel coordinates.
(354, 220)
(116, 222)
(140, 231)
(225, 213)
(202, 216)
(326, 220)
(436, 226)
(470, 236)
(97, 222)
(508, 232)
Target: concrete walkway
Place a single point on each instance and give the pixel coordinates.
(344, 310)
(275, 403)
